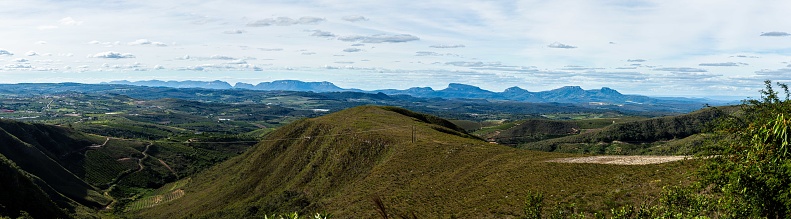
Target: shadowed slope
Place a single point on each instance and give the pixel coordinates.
(21, 193)
(45, 151)
(337, 162)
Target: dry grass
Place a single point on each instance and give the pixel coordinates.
(356, 153)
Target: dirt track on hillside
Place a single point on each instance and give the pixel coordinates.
(621, 160)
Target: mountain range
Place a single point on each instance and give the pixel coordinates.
(568, 94)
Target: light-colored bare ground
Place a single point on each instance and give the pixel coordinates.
(621, 160)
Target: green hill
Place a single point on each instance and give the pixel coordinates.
(638, 137)
(339, 161)
(514, 133)
(533, 130)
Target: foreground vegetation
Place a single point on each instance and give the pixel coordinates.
(745, 170)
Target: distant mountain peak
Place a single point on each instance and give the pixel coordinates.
(462, 87)
(514, 89)
(607, 90)
(295, 85)
(570, 88)
(240, 85)
(420, 89)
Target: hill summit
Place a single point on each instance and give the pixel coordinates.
(337, 162)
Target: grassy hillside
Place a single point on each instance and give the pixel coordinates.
(44, 151)
(83, 173)
(546, 127)
(340, 161)
(20, 194)
(638, 137)
(533, 130)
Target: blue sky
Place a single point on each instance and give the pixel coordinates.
(658, 48)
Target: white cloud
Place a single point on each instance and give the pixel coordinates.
(5, 53)
(442, 46)
(320, 33)
(636, 60)
(192, 68)
(18, 66)
(68, 21)
(429, 53)
(285, 21)
(233, 32)
(222, 57)
(47, 27)
(380, 38)
(474, 64)
(746, 56)
(681, 69)
(31, 53)
(21, 60)
(106, 44)
(776, 34)
(238, 62)
(354, 18)
(41, 42)
(579, 68)
(112, 55)
(141, 42)
(724, 64)
(352, 50)
(558, 45)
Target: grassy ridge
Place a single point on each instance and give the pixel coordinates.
(337, 162)
(637, 137)
(551, 126)
(533, 130)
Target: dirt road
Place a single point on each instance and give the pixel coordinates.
(621, 160)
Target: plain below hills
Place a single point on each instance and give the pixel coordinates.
(416, 163)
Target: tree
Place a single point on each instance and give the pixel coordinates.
(747, 171)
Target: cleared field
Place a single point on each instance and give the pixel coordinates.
(167, 193)
(621, 160)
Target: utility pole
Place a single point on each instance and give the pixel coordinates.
(413, 134)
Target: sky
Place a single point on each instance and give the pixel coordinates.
(701, 48)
